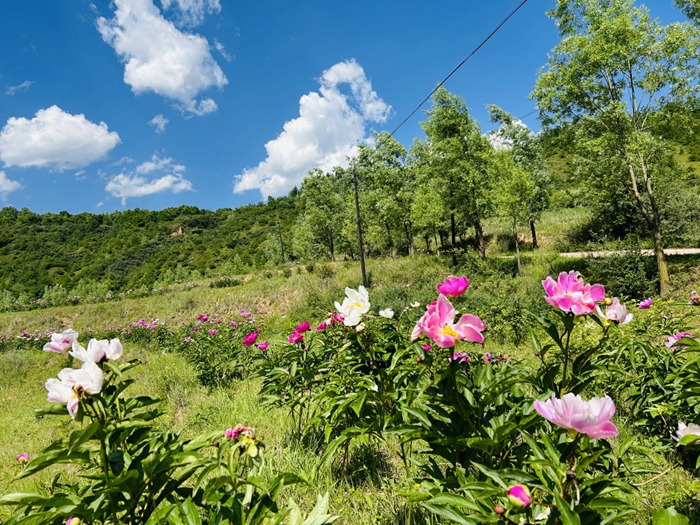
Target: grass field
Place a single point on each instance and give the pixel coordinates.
(362, 498)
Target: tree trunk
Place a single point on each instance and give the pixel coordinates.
(331, 247)
(534, 235)
(427, 243)
(653, 220)
(517, 248)
(409, 237)
(480, 241)
(279, 231)
(391, 240)
(453, 228)
(437, 245)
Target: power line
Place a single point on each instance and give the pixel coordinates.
(525, 116)
(481, 44)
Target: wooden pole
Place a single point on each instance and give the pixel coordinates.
(359, 226)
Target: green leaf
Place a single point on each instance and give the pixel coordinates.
(668, 517)
(568, 516)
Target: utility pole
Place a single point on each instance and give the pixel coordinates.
(359, 226)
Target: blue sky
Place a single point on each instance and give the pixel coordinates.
(158, 103)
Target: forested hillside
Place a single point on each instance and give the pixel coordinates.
(409, 200)
(134, 248)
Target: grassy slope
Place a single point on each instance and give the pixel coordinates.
(193, 409)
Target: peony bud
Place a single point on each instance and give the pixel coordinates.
(519, 495)
(498, 509)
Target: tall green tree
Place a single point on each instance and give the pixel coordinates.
(691, 8)
(387, 188)
(324, 197)
(456, 156)
(613, 74)
(527, 151)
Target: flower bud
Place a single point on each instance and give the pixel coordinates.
(608, 301)
(570, 475)
(215, 444)
(360, 327)
(498, 509)
(73, 521)
(519, 495)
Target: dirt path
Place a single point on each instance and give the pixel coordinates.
(648, 253)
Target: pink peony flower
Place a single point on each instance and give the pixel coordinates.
(213, 332)
(246, 314)
(615, 312)
(263, 346)
(646, 303)
(233, 324)
(694, 298)
(337, 318)
(73, 521)
(295, 337)
(322, 326)
(189, 340)
(487, 357)
(427, 347)
(587, 417)
(459, 357)
(233, 433)
(23, 458)
(453, 286)
(673, 339)
(570, 294)
(61, 342)
(303, 327)
(438, 324)
(519, 495)
(250, 338)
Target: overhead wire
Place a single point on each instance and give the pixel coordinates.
(474, 51)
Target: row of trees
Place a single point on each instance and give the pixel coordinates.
(432, 194)
(614, 88)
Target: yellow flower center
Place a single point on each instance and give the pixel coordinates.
(357, 305)
(448, 330)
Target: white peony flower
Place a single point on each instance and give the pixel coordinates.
(72, 384)
(387, 312)
(355, 305)
(98, 351)
(61, 342)
(688, 430)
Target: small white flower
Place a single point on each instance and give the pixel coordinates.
(415, 304)
(360, 327)
(387, 312)
(374, 388)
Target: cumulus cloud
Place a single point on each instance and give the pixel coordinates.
(192, 12)
(54, 139)
(222, 51)
(329, 126)
(134, 184)
(125, 186)
(159, 164)
(7, 186)
(159, 122)
(24, 86)
(159, 57)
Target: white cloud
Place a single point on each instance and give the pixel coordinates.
(123, 160)
(329, 126)
(159, 164)
(54, 139)
(7, 186)
(24, 86)
(125, 186)
(159, 57)
(192, 12)
(134, 184)
(222, 51)
(159, 122)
